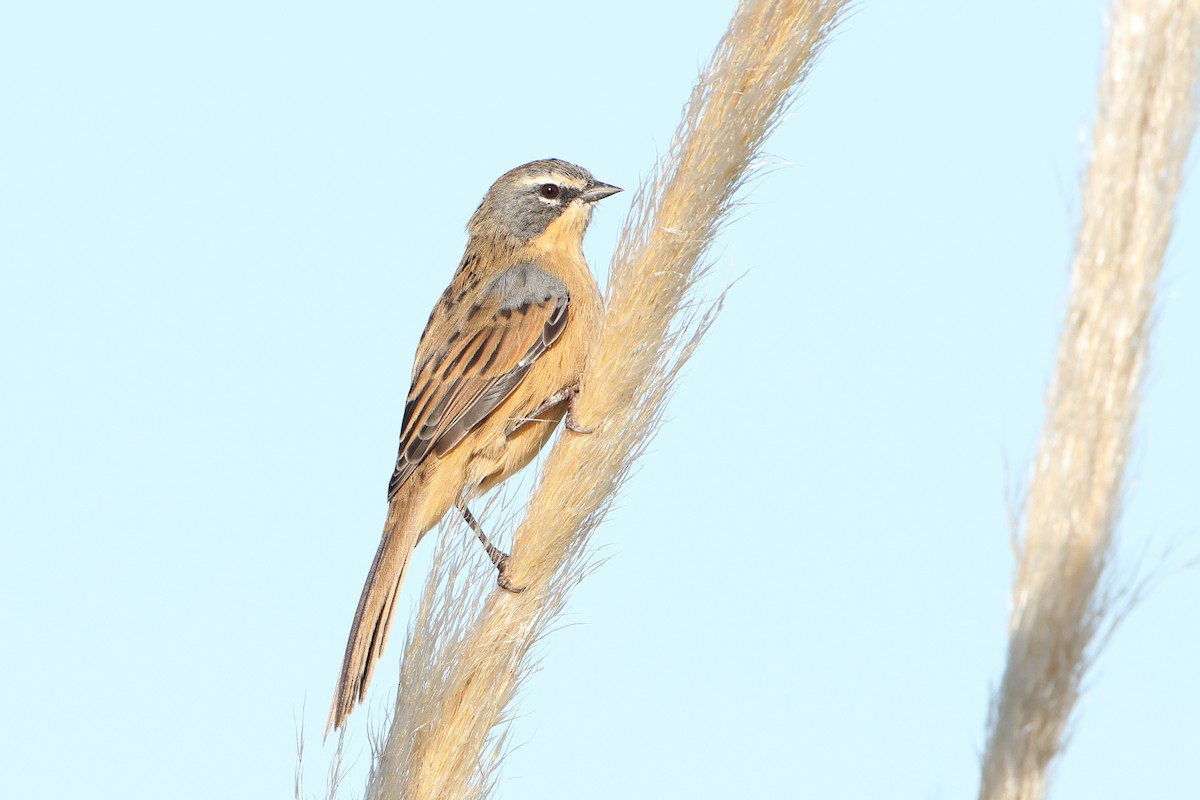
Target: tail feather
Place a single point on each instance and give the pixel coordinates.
(369, 633)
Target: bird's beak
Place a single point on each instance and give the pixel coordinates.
(598, 191)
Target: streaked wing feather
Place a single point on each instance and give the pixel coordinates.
(519, 316)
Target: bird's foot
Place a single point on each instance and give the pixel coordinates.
(502, 579)
(498, 557)
(569, 420)
(575, 427)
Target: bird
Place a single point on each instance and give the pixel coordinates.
(496, 370)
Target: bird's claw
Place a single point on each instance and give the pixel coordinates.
(502, 579)
(574, 427)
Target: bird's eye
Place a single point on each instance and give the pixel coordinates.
(549, 191)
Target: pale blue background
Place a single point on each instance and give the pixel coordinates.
(221, 229)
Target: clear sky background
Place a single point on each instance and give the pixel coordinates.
(222, 227)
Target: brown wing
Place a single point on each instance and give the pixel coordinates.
(519, 316)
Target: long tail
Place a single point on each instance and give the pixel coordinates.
(369, 633)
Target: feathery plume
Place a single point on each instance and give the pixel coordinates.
(1063, 594)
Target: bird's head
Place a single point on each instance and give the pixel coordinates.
(544, 203)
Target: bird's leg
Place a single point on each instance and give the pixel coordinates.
(532, 416)
(569, 394)
(498, 557)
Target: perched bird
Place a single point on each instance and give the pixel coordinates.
(497, 369)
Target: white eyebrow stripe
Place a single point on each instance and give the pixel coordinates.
(546, 177)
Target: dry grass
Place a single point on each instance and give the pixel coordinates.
(336, 773)
(466, 654)
(1063, 596)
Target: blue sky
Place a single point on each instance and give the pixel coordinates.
(222, 227)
